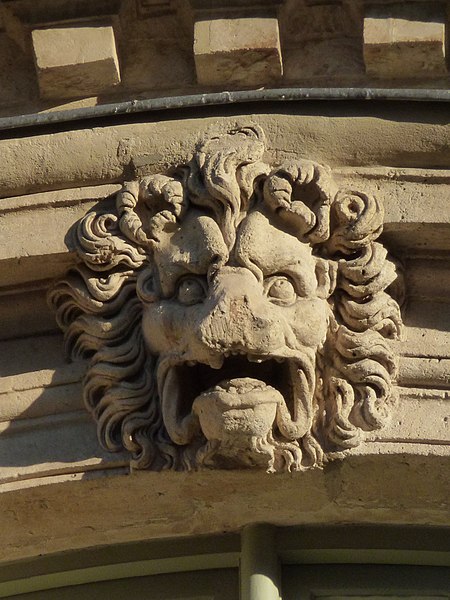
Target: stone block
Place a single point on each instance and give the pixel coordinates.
(75, 61)
(239, 51)
(404, 41)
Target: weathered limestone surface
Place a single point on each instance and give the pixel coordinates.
(243, 51)
(105, 155)
(404, 41)
(69, 511)
(244, 288)
(75, 61)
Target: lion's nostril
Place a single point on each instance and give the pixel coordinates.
(261, 323)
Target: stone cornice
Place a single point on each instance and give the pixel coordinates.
(335, 43)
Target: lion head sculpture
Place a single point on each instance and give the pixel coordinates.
(235, 315)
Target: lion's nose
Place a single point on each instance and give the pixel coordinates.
(238, 317)
(234, 324)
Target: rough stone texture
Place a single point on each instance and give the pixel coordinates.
(404, 42)
(75, 61)
(104, 155)
(321, 41)
(158, 52)
(23, 84)
(108, 507)
(243, 51)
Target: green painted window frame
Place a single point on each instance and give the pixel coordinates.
(258, 552)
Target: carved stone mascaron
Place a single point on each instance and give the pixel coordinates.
(234, 314)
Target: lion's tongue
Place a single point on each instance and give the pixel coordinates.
(240, 392)
(241, 385)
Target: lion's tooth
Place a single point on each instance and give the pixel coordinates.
(191, 363)
(254, 359)
(216, 362)
(279, 360)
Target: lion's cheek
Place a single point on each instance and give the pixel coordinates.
(166, 328)
(308, 320)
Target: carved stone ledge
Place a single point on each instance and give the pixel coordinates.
(235, 314)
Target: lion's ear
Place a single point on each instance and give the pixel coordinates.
(326, 274)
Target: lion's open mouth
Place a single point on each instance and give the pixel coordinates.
(200, 378)
(181, 384)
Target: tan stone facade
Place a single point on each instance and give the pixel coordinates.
(234, 121)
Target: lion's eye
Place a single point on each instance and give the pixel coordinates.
(191, 290)
(280, 290)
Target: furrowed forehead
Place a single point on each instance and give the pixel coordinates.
(271, 249)
(190, 249)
